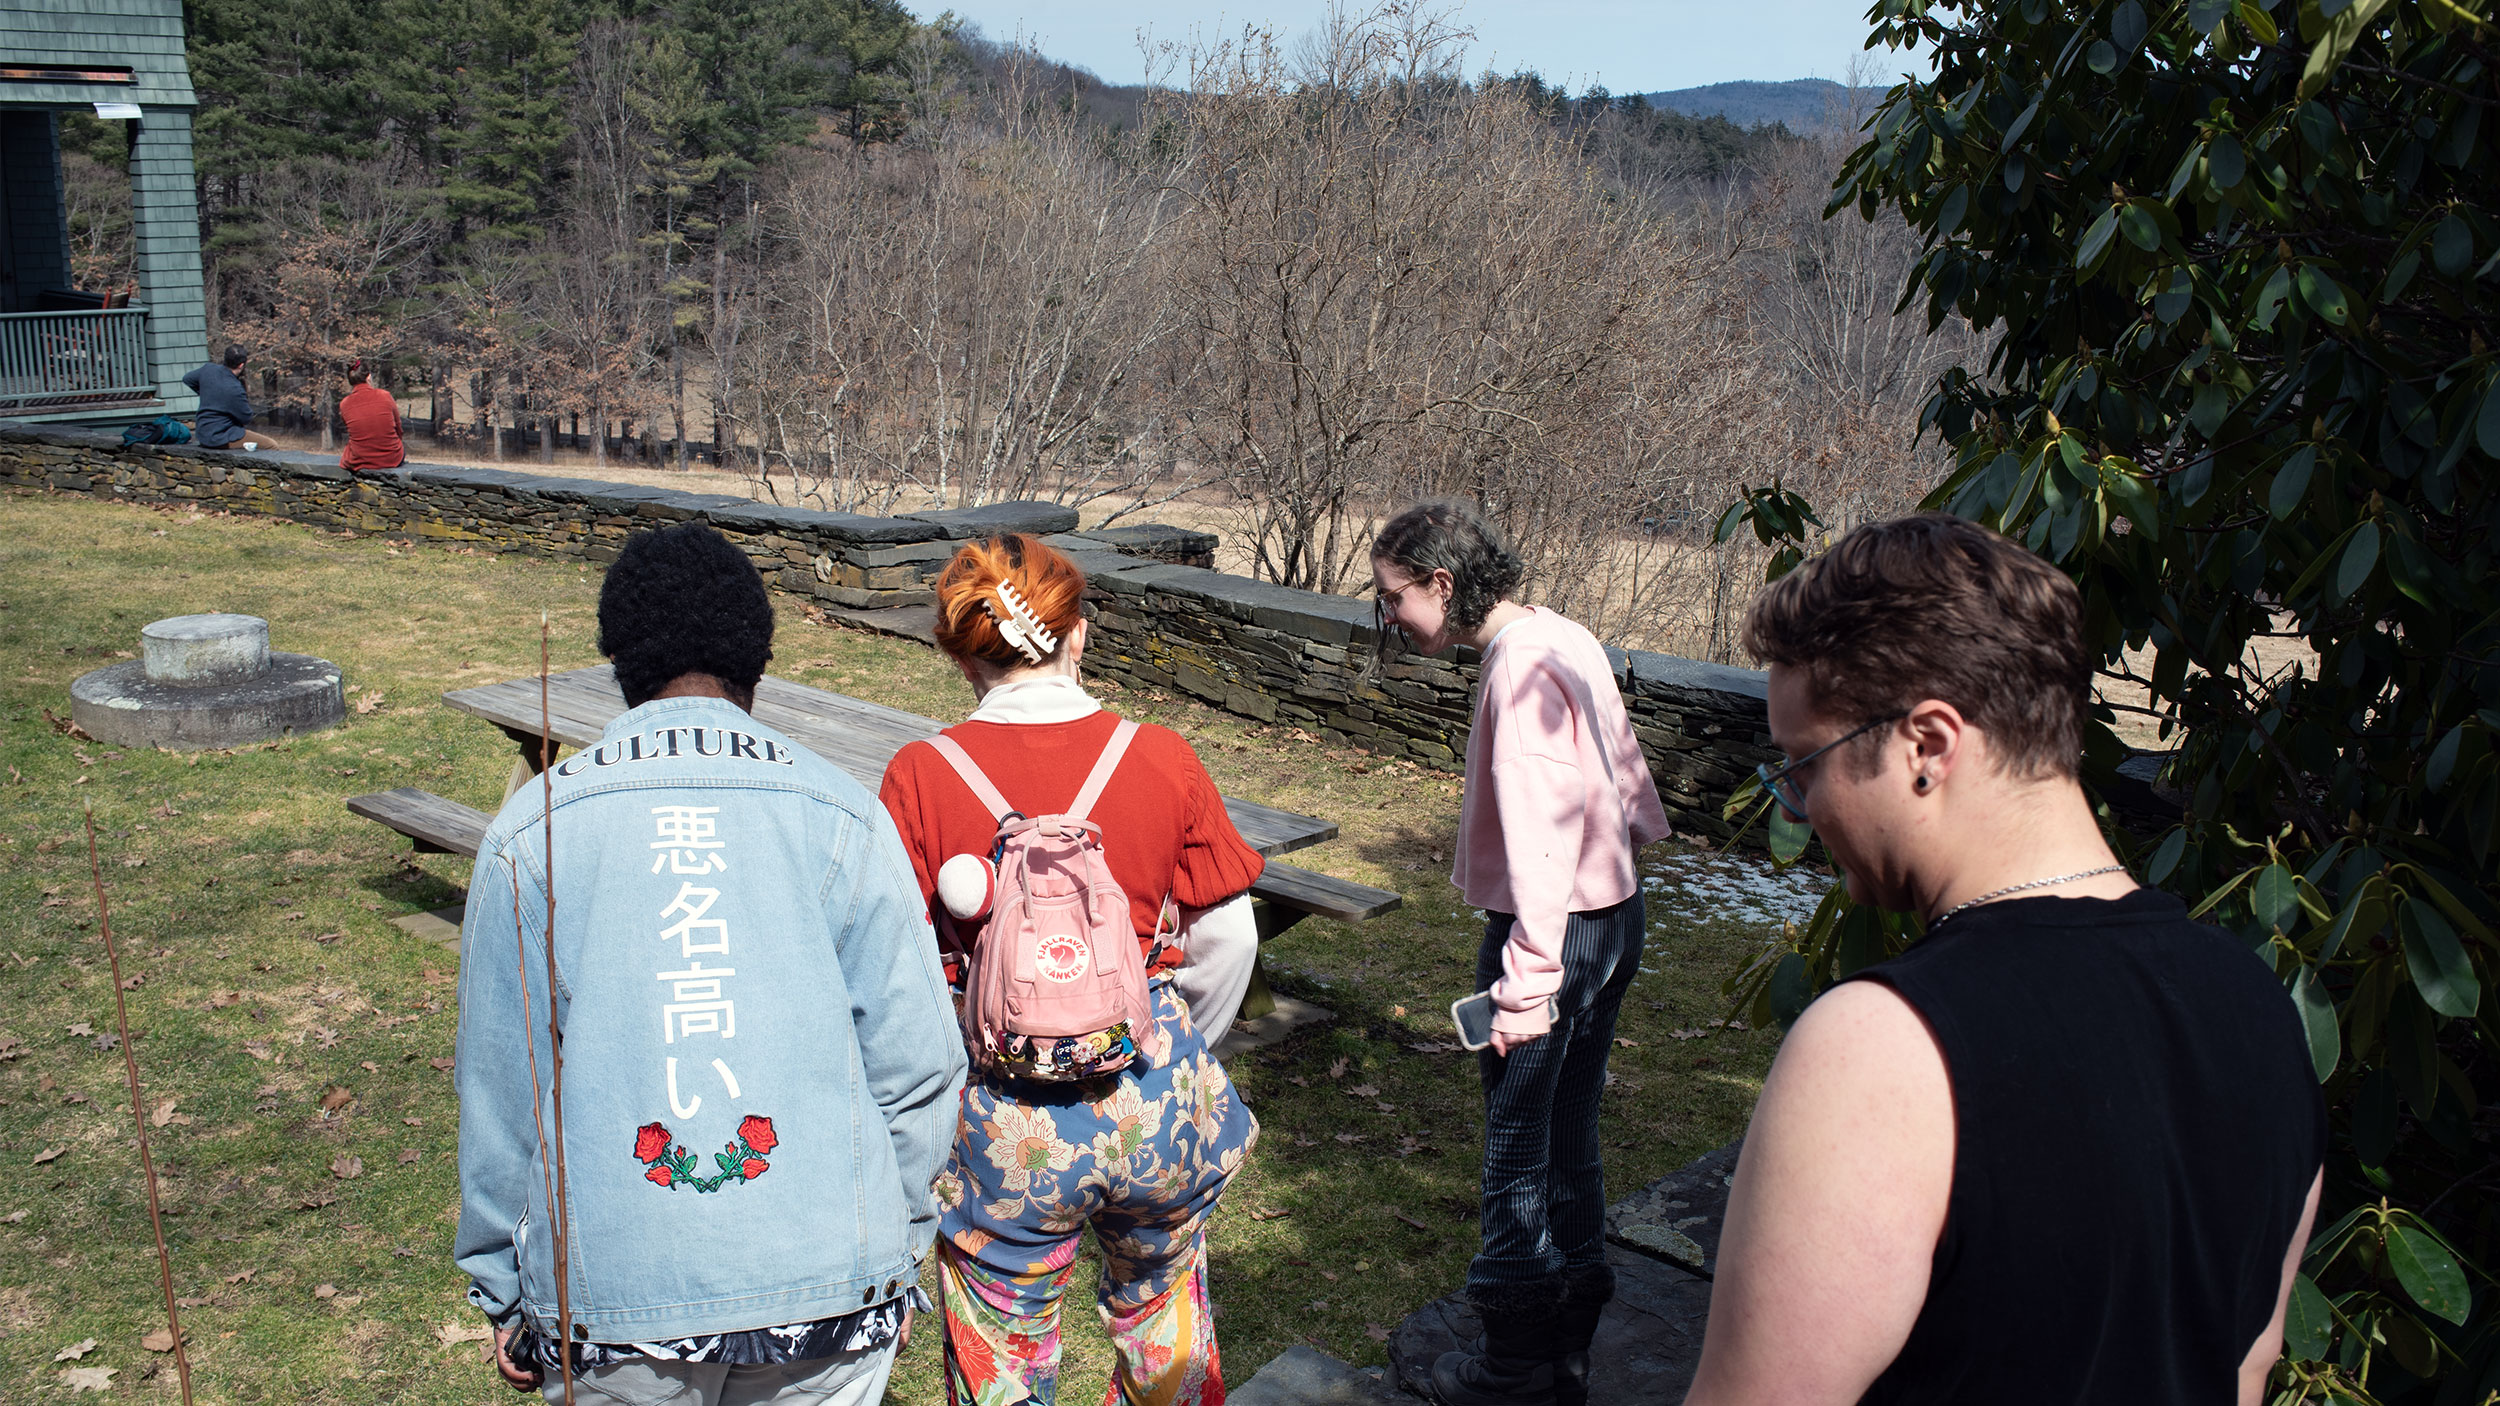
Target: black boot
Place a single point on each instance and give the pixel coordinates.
(1513, 1364)
(1585, 1294)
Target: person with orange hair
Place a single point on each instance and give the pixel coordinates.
(1142, 1154)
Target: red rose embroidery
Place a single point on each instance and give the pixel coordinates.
(659, 1176)
(753, 1167)
(650, 1141)
(758, 1133)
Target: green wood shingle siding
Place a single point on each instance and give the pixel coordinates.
(143, 35)
(165, 220)
(146, 37)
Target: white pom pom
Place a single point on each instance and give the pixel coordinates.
(965, 884)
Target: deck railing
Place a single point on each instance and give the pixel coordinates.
(61, 360)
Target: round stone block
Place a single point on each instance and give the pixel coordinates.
(120, 704)
(200, 651)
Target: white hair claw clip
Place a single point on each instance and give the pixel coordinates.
(1019, 626)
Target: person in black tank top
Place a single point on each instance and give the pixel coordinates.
(2124, 1081)
(2066, 1148)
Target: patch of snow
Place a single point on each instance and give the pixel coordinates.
(1737, 887)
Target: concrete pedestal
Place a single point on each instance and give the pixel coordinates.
(207, 681)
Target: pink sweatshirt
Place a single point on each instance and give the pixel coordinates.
(1558, 798)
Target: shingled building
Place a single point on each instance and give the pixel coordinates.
(96, 355)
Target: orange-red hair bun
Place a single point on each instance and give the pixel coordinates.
(967, 595)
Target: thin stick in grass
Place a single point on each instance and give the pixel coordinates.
(138, 1109)
(555, 1035)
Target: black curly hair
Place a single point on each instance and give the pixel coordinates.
(1456, 537)
(682, 600)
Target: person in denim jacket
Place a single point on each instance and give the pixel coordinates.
(762, 1069)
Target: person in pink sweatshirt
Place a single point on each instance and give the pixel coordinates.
(1558, 800)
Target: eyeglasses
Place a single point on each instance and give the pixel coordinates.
(1387, 601)
(1781, 780)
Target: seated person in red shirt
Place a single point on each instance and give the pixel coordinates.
(372, 418)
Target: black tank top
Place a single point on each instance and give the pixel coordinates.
(2136, 1128)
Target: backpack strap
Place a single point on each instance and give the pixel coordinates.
(982, 790)
(1100, 776)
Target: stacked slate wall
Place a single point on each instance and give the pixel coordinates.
(1162, 619)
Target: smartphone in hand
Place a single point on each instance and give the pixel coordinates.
(1474, 1015)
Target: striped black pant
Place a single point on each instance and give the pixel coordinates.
(1544, 1189)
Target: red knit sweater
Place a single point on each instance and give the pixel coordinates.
(1164, 829)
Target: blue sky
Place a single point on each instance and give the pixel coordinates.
(1629, 46)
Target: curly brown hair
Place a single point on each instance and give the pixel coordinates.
(1934, 606)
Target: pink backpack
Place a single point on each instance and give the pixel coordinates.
(1057, 989)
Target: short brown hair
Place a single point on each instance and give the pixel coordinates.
(1042, 576)
(1934, 606)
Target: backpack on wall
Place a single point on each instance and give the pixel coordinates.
(164, 429)
(1056, 989)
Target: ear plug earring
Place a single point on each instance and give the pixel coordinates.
(1920, 784)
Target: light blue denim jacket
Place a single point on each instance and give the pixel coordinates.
(761, 1065)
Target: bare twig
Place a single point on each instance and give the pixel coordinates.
(555, 1033)
(138, 1109)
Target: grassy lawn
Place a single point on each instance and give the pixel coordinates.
(296, 1045)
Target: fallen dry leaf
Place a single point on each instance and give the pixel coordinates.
(325, 1291)
(79, 1379)
(414, 1122)
(368, 703)
(48, 1154)
(82, 1030)
(1270, 1213)
(1353, 1137)
(369, 1066)
(408, 1155)
(1337, 1069)
(439, 1062)
(165, 1116)
(454, 1333)
(338, 1096)
(219, 1000)
(347, 1167)
(162, 1340)
(1375, 1332)
(165, 811)
(75, 1350)
(1364, 1091)
(241, 1276)
(1627, 1044)
(14, 1217)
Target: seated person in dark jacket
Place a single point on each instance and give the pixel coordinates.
(224, 407)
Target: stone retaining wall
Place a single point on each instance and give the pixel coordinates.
(1162, 619)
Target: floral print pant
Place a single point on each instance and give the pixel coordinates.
(1142, 1157)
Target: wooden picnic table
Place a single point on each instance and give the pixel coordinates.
(860, 737)
(852, 733)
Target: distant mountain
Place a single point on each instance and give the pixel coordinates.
(1800, 104)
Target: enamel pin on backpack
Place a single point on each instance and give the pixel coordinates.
(1056, 989)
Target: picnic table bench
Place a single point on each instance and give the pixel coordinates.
(860, 737)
